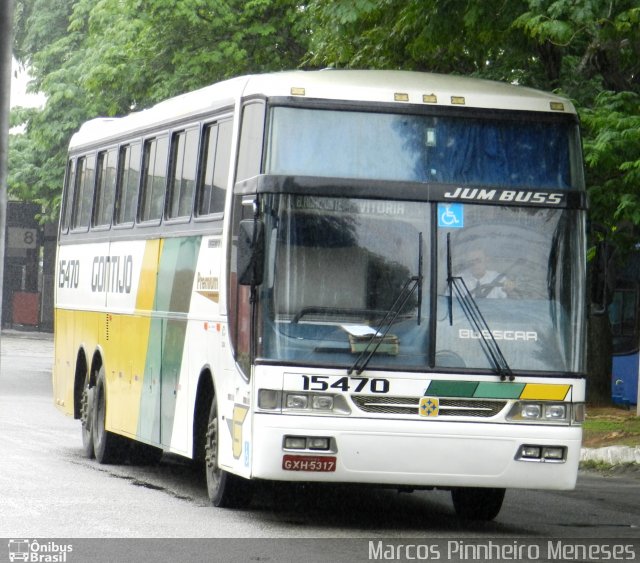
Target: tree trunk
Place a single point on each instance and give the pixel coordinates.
(599, 361)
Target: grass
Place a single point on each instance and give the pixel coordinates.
(611, 426)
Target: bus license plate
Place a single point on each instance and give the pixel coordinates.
(308, 463)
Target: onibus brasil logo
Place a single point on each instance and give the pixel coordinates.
(39, 552)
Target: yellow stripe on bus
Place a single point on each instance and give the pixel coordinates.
(130, 353)
(541, 391)
(148, 276)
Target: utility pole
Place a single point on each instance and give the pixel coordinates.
(6, 39)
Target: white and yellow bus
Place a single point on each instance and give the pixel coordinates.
(340, 276)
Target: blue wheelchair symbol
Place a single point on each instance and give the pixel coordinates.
(450, 215)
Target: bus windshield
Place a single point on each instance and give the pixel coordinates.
(503, 150)
(336, 268)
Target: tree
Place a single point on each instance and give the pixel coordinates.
(111, 57)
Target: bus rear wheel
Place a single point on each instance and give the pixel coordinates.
(471, 503)
(108, 447)
(225, 489)
(86, 417)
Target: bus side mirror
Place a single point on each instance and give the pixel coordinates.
(602, 278)
(250, 252)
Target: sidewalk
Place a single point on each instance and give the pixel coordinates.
(611, 455)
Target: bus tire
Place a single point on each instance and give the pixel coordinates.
(108, 447)
(86, 417)
(471, 503)
(225, 489)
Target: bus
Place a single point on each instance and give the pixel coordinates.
(624, 317)
(358, 277)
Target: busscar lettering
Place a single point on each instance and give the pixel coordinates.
(512, 335)
(506, 196)
(112, 274)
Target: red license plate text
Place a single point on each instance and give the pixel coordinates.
(308, 463)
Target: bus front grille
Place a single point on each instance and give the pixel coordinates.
(410, 406)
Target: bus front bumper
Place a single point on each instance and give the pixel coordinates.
(415, 453)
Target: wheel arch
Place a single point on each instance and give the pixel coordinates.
(79, 379)
(205, 392)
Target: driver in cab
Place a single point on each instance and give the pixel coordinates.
(483, 282)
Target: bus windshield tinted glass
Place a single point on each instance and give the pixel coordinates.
(336, 267)
(532, 151)
(524, 270)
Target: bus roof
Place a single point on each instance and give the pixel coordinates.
(385, 86)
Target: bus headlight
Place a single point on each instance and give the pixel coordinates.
(301, 403)
(544, 412)
(297, 401)
(531, 411)
(556, 412)
(322, 402)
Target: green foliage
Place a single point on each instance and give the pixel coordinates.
(109, 57)
(446, 36)
(612, 154)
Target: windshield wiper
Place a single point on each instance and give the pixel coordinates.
(411, 285)
(474, 315)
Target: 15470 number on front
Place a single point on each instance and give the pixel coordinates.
(352, 384)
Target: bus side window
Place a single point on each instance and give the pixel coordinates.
(83, 193)
(154, 179)
(69, 185)
(182, 179)
(127, 183)
(216, 154)
(252, 131)
(105, 188)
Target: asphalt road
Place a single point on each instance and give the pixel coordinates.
(50, 492)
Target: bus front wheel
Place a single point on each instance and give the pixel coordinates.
(225, 489)
(108, 447)
(472, 503)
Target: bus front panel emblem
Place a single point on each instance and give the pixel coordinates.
(429, 406)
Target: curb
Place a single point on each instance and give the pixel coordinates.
(26, 334)
(612, 455)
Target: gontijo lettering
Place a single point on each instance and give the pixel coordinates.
(112, 274)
